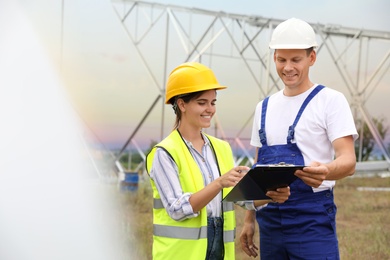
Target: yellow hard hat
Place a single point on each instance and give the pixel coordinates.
(188, 78)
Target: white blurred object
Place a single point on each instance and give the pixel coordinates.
(48, 211)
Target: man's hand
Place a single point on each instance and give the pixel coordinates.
(313, 175)
(247, 233)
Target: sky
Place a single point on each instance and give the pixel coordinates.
(111, 89)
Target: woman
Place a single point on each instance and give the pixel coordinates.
(190, 173)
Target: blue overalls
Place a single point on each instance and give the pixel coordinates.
(304, 226)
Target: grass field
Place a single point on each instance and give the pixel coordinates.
(363, 220)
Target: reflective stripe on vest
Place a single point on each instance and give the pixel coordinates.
(188, 233)
(227, 206)
(180, 232)
(157, 204)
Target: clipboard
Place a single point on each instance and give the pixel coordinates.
(262, 178)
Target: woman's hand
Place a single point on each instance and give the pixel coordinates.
(232, 177)
(279, 195)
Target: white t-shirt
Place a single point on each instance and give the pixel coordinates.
(326, 118)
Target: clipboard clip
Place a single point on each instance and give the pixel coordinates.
(282, 164)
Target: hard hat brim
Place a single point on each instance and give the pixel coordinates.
(292, 46)
(204, 87)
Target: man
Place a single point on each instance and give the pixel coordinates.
(302, 124)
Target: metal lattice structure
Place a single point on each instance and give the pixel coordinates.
(226, 41)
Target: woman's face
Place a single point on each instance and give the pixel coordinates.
(199, 111)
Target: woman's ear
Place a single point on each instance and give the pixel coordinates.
(181, 105)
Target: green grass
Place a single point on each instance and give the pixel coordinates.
(363, 220)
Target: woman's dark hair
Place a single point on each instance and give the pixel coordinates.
(186, 98)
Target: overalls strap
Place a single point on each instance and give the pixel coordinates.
(291, 129)
(263, 138)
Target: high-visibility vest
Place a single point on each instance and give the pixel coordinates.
(187, 239)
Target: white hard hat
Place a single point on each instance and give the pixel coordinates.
(293, 34)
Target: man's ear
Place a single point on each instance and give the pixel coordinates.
(313, 57)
